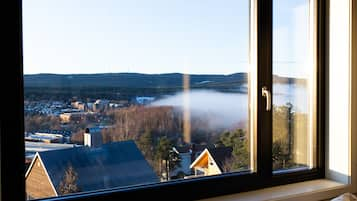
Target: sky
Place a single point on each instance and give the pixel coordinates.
(153, 36)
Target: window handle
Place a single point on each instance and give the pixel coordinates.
(266, 93)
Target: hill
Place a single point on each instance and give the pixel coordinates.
(130, 80)
(137, 80)
(129, 85)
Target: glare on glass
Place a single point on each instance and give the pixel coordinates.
(293, 88)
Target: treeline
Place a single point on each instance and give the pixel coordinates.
(130, 123)
(41, 122)
(84, 93)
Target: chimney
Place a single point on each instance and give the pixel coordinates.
(92, 138)
(87, 138)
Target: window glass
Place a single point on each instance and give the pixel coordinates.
(121, 93)
(293, 85)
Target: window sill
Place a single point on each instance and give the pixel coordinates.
(319, 189)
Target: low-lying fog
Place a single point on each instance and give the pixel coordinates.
(224, 110)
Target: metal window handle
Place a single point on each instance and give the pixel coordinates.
(266, 93)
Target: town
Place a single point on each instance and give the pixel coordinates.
(100, 131)
(80, 138)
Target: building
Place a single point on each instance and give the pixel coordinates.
(68, 117)
(188, 154)
(46, 138)
(143, 100)
(31, 148)
(49, 136)
(110, 165)
(79, 105)
(100, 105)
(211, 161)
(75, 116)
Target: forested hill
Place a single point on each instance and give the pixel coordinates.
(136, 80)
(130, 80)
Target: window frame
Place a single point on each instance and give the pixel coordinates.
(12, 145)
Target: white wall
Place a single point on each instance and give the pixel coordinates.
(337, 165)
(354, 97)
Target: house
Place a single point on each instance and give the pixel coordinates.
(100, 105)
(79, 105)
(188, 154)
(31, 148)
(72, 116)
(49, 136)
(211, 161)
(111, 165)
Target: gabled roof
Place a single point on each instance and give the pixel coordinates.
(111, 165)
(218, 154)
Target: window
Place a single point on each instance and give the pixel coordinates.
(293, 56)
(254, 136)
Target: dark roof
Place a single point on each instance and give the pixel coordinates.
(111, 165)
(220, 154)
(93, 130)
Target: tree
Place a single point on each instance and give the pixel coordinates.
(229, 138)
(41, 122)
(78, 137)
(281, 158)
(165, 153)
(173, 161)
(132, 122)
(69, 182)
(240, 155)
(290, 130)
(146, 145)
(281, 124)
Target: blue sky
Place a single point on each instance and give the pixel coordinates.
(146, 36)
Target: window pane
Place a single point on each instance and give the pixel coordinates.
(293, 78)
(122, 93)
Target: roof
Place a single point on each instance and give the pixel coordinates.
(220, 154)
(33, 147)
(60, 132)
(111, 165)
(96, 129)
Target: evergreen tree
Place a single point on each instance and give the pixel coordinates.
(240, 154)
(145, 144)
(165, 154)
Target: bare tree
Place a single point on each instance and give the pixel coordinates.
(69, 182)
